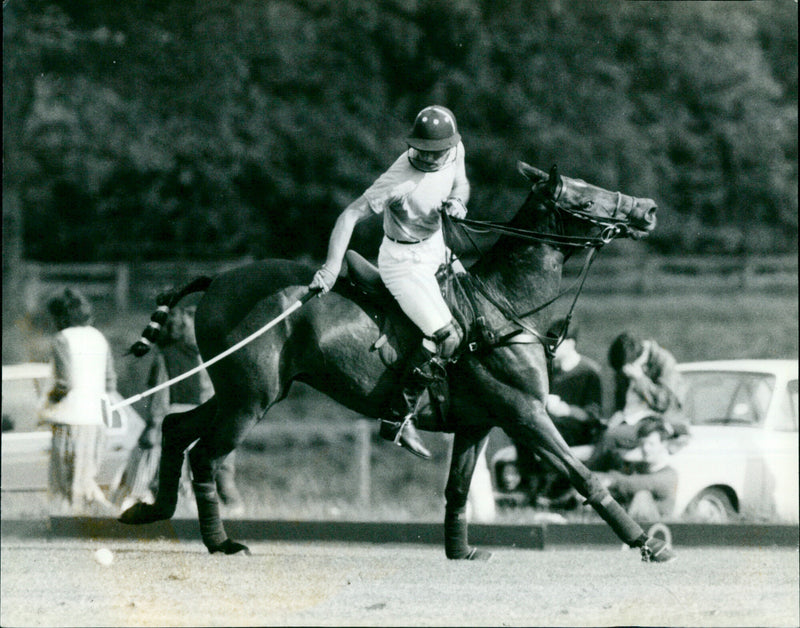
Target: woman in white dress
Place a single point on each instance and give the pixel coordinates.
(83, 376)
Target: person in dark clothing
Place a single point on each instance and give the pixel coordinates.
(649, 492)
(647, 382)
(177, 353)
(576, 392)
(575, 404)
(649, 369)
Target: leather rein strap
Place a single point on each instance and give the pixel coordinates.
(611, 228)
(507, 310)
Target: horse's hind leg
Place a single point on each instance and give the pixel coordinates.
(466, 448)
(205, 459)
(178, 431)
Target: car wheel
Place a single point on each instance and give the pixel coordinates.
(711, 506)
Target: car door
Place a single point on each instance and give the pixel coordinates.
(727, 452)
(25, 443)
(779, 442)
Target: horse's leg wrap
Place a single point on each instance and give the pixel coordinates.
(208, 514)
(615, 516)
(456, 546)
(455, 534)
(211, 529)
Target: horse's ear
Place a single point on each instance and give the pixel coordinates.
(534, 175)
(553, 180)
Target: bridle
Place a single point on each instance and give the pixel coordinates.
(610, 227)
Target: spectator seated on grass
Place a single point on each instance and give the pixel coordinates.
(649, 492)
(622, 435)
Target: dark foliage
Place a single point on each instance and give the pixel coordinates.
(144, 130)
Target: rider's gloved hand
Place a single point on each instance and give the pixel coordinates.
(323, 281)
(455, 207)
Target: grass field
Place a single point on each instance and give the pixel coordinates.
(316, 476)
(173, 583)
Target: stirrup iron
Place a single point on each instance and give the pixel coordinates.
(400, 429)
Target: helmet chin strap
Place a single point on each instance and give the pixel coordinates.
(424, 166)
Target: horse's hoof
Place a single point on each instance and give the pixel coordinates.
(229, 547)
(473, 553)
(143, 513)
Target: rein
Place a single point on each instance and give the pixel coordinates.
(611, 228)
(610, 231)
(507, 310)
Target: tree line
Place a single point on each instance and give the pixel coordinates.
(190, 128)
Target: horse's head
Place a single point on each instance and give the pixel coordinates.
(587, 207)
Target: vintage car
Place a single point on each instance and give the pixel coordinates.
(741, 459)
(26, 441)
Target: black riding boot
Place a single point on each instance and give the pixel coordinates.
(402, 429)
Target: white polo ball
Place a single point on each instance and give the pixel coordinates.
(104, 557)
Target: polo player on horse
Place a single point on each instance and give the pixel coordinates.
(426, 179)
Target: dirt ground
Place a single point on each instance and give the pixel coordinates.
(177, 583)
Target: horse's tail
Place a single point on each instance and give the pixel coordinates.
(165, 302)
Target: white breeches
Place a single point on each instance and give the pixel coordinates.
(409, 272)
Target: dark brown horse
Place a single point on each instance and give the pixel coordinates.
(329, 344)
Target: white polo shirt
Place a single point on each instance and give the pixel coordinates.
(417, 217)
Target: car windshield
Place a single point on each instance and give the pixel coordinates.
(727, 396)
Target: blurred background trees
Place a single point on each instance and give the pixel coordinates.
(150, 130)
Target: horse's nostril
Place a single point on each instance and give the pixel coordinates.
(650, 214)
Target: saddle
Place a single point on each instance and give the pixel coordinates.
(399, 336)
(365, 278)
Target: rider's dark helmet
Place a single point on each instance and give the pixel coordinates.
(434, 129)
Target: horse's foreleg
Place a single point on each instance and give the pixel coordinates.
(598, 497)
(549, 444)
(178, 431)
(466, 448)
